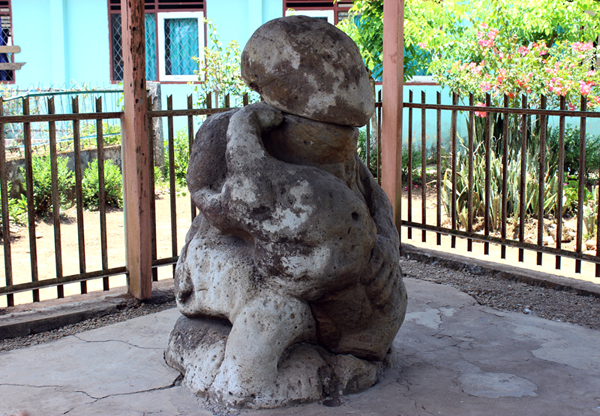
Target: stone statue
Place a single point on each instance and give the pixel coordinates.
(289, 281)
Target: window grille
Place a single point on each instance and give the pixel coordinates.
(162, 5)
(6, 39)
(151, 64)
(181, 44)
(171, 45)
(333, 11)
(117, 47)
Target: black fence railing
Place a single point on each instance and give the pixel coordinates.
(94, 253)
(518, 179)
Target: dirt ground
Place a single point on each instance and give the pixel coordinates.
(116, 246)
(415, 237)
(20, 247)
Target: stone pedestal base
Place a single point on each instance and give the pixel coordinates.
(305, 372)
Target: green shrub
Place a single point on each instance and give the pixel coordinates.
(496, 175)
(571, 146)
(416, 161)
(42, 182)
(219, 71)
(113, 185)
(17, 209)
(362, 151)
(181, 158)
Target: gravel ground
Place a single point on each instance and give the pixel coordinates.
(506, 295)
(497, 293)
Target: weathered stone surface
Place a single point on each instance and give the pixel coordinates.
(321, 77)
(352, 375)
(305, 372)
(310, 232)
(196, 349)
(301, 141)
(289, 279)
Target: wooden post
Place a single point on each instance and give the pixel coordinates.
(393, 80)
(136, 173)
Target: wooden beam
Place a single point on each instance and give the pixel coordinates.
(10, 49)
(11, 66)
(393, 81)
(135, 148)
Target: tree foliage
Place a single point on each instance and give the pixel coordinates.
(440, 30)
(219, 71)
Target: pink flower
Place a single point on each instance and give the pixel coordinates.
(476, 70)
(582, 47)
(486, 86)
(421, 45)
(542, 52)
(571, 107)
(523, 51)
(480, 113)
(486, 43)
(492, 33)
(585, 87)
(484, 26)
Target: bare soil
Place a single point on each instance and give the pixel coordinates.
(45, 243)
(21, 256)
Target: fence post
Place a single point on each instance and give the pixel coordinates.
(155, 96)
(136, 152)
(393, 80)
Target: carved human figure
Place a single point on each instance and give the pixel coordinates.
(289, 281)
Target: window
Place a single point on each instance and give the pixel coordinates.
(179, 38)
(333, 12)
(6, 40)
(174, 34)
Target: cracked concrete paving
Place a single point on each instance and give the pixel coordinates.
(455, 357)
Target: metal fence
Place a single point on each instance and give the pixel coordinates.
(504, 184)
(464, 190)
(38, 104)
(93, 243)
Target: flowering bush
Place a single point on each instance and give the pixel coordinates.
(499, 65)
(219, 71)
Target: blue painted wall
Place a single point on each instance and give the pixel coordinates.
(61, 41)
(235, 20)
(32, 31)
(87, 41)
(64, 41)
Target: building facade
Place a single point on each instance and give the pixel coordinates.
(72, 42)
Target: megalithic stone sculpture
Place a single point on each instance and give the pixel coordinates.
(289, 282)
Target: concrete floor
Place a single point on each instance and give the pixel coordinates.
(455, 357)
